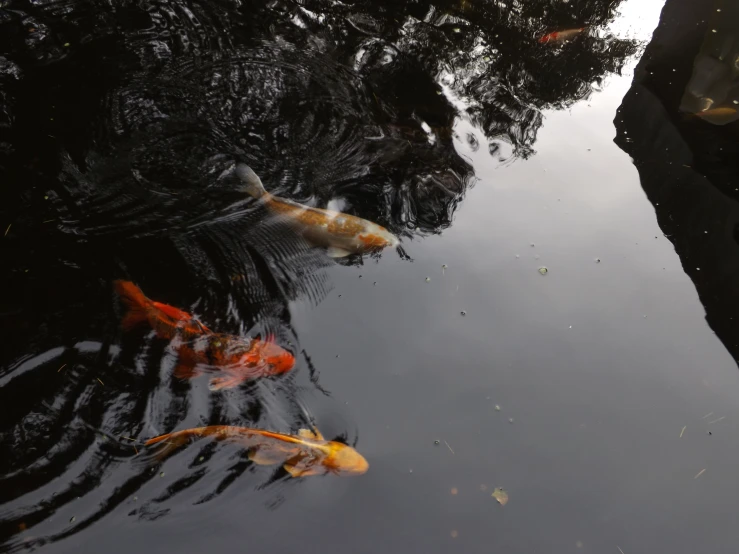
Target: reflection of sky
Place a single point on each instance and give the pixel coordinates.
(600, 364)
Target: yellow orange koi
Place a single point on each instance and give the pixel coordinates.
(342, 234)
(308, 453)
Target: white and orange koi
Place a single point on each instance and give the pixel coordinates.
(342, 234)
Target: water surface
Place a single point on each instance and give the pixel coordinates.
(595, 394)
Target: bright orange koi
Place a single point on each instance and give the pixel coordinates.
(198, 349)
(342, 234)
(308, 453)
(561, 36)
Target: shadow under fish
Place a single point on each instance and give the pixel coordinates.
(198, 349)
(301, 455)
(341, 234)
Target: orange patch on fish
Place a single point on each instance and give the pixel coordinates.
(372, 241)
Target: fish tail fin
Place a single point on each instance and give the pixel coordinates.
(135, 301)
(251, 183)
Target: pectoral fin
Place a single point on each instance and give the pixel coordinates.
(308, 434)
(265, 457)
(334, 252)
(304, 469)
(220, 383)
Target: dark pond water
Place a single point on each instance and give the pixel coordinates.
(558, 321)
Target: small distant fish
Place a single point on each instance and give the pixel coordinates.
(342, 234)
(717, 112)
(198, 349)
(308, 453)
(561, 36)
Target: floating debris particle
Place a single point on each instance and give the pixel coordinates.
(201, 458)
(517, 256)
(99, 381)
(455, 490)
(709, 414)
(161, 474)
(63, 366)
(500, 495)
(444, 266)
(532, 245)
(437, 441)
(463, 312)
(497, 407)
(681, 432)
(449, 447)
(701, 472)
(597, 260)
(6, 230)
(510, 420)
(360, 276)
(543, 270)
(71, 519)
(428, 279)
(717, 420)
(66, 45)
(619, 549)
(454, 534)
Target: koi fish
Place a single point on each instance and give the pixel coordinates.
(198, 349)
(561, 36)
(308, 453)
(723, 111)
(342, 234)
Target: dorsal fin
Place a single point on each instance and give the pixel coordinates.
(308, 434)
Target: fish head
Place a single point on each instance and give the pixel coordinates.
(277, 358)
(377, 238)
(344, 460)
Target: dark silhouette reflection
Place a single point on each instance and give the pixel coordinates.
(689, 164)
(118, 131)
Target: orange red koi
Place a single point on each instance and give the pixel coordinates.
(561, 36)
(306, 454)
(198, 349)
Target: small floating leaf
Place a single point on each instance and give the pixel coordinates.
(501, 496)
